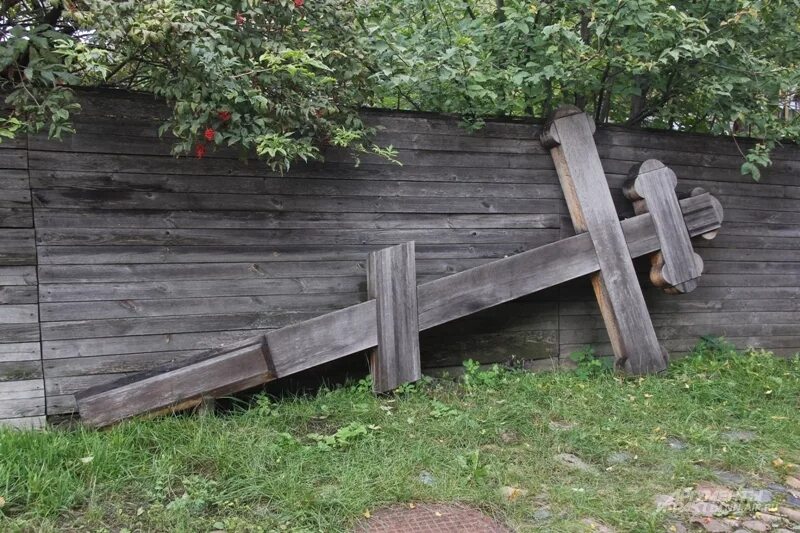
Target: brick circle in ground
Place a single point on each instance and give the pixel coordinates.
(429, 518)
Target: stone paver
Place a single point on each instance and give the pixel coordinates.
(756, 495)
(573, 461)
(755, 525)
(714, 493)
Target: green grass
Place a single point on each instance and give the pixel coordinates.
(319, 463)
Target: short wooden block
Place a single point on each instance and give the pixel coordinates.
(392, 281)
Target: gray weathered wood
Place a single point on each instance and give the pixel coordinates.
(328, 337)
(652, 189)
(569, 138)
(239, 367)
(392, 282)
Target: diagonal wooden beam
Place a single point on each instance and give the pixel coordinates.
(569, 135)
(334, 335)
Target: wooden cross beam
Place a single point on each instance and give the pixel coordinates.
(389, 322)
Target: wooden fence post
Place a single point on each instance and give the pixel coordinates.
(392, 281)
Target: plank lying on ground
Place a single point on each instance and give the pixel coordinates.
(319, 340)
(231, 369)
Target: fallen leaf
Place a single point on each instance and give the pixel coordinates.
(367, 514)
(88, 459)
(512, 493)
(2, 502)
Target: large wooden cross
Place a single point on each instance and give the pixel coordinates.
(568, 134)
(389, 322)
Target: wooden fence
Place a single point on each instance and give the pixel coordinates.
(141, 258)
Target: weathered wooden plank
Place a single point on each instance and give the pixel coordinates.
(169, 289)
(14, 180)
(20, 351)
(686, 142)
(18, 294)
(46, 160)
(365, 172)
(71, 218)
(30, 422)
(16, 217)
(594, 335)
(123, 199)
(569, 138)
(252, 320)
(113, 364)
(392, 282)
(266, 271)
(17, 275)
(19, 314)
(237, 368)
(22, 407)
(20, 370)
(652, 188)
(77, 255)
(53, 312)
(711, 318)
(15, 199)
(289, 185)
(19, 332)
(21, 390)
(785, 346)
(12, 158)
(250, 237)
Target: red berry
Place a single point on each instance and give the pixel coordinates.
(299, 3)
(209, 134)
(199, 151)
(224, 116)
(240, 19)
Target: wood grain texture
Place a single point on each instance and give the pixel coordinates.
(215, 373)
(115, 175)
(392, 282)
(569, 136)
(22, 397)
(651, 188)
(363, 326)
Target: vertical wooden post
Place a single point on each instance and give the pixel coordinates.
(392, 281)
(569, 136)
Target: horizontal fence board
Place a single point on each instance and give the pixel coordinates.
(256, 237)
(79, 255)
(20, 351)
(294, 186)
(255, 220)
(28, 422)
(169, 289)
(120, 199)
(200, 323)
